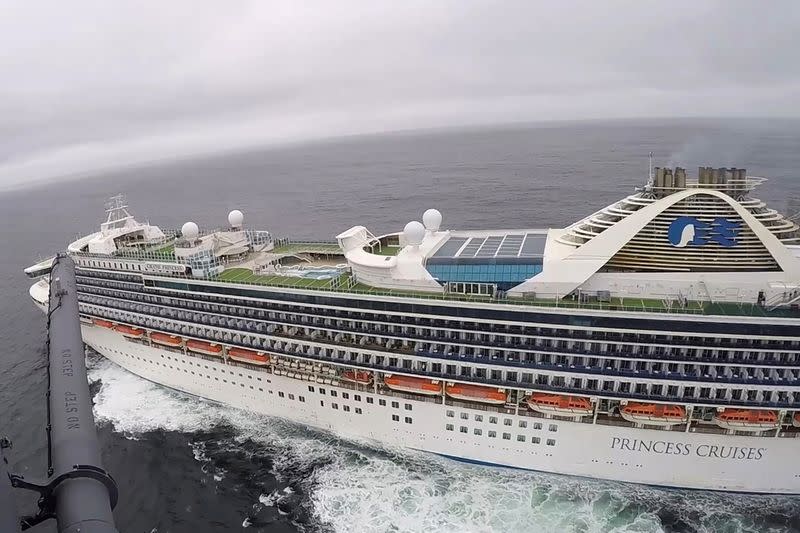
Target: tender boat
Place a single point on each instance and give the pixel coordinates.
(165, 340)
(476, 393)
(248, 356)
(560, 405)
(750, 420)
(357, 376)
(654, 414)
(413, 385)
(130, 332)
(103, 323)
(203, 347)
(796, 419)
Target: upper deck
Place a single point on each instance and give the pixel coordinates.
(702, 248)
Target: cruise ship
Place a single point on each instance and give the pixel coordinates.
(656, 341)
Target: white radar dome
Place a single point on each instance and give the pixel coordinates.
(190, 231)
(235, 218)
(414, 232)
(432, 219)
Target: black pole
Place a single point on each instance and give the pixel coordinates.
(83, 492)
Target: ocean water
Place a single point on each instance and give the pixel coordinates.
(187, 465)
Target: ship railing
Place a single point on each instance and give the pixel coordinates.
(541, 365)
(350, 285)
(695, 377)
(575, 336)
(511, 385)
(616, 395)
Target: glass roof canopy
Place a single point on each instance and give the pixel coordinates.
(507, 248)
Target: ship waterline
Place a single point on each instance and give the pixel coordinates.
(656, 341)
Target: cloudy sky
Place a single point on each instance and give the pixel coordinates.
(93, 84)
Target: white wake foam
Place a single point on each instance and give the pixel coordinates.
(354, 487)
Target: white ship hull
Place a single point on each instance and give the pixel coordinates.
(648, 456)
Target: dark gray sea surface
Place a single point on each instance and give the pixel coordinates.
(186, 465)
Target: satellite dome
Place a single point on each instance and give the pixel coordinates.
(432, 219)
(190, 231)
(235, 218)
(414, 232)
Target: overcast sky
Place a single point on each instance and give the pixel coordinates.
(87, 85)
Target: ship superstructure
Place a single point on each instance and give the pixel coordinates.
(656, 341)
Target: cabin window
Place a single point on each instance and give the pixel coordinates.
(535, 440)
(310, 388)
(463, 429)
(346, 408)
(449, 427)
(382, 402)
(551, 442)
(291, 396)
(552, 427)
(357, 397)
(520, 438)
(408, 406)
(523, 423)
(478, 431)
(507, 422)
(334, 393)
(464, 416)
(335, 405)
(407, 420)
(506, 436)
(493, 420)
(358, 410)
(451, 414)
(302, 399)
(345, 396)
(370, 399)
(478, 418)
(492, 434)
(396, 418)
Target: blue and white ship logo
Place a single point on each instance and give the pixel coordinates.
(686, 231)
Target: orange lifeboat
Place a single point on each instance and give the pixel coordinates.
(475, 393)
(103, 323)
(248, 356)
(750, 420)
(560, 405)
(358, 376)
(206, 348)
(414, 385)
(165, 340)
(796, 419)
(653, 414)
(130, 332)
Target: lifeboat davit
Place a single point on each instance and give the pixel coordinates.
(413, 385)
(206, 348)
(560, 405)
(475, 393)
(130, 332)
(248, 356)
(165, 340)
(103, 323)
(358, 376)
(654, 414)
(751, 420)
